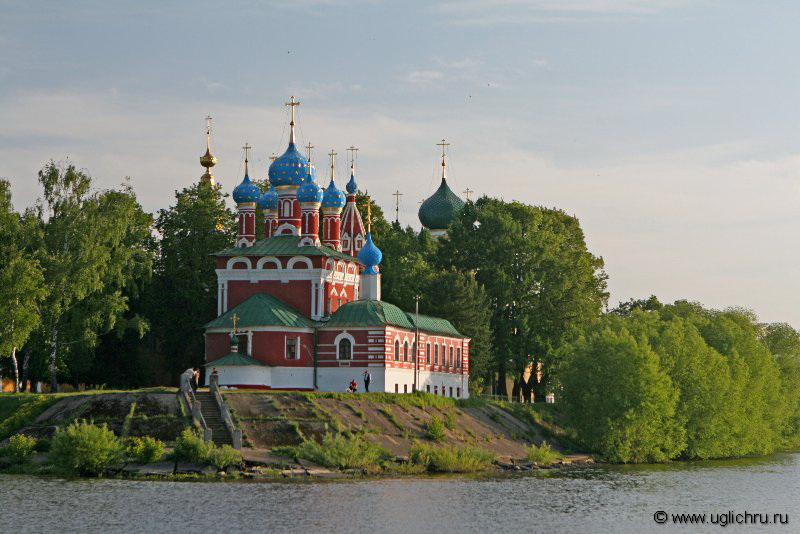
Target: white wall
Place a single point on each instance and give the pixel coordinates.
(293, 378)
(251, 375)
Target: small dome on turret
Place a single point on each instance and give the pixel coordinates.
(370, 256)
(309, 191)
(333, 197)
(246, 191)
(352, 186)
(269, 200)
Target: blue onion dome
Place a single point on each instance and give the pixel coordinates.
(370, 255)
(309, 191)
(352, 186)
(269, 200)
(440, 209)
(246, 191)
(289, 168)
(333, 198)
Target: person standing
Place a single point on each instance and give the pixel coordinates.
(193, 380)
(367, 380)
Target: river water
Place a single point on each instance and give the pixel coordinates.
(588, 499)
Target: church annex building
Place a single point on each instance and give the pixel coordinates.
(302, 311)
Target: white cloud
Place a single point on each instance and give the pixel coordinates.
(424, 76)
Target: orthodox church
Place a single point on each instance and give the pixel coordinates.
(302, 311)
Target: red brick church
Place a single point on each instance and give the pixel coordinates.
(303, 311)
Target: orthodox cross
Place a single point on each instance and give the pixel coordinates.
(273, 157)
(309, 147)
(333, 155)
(246, 148)
(208, 126)
(234, 318)
(468, 193)
(444, 145)
(369, 215)
(292, 105)
(352, 151)
(397, 194)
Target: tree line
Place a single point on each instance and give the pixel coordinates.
(94, 290)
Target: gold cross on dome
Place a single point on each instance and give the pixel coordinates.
(333, 155)
(292, 104)
(309, 147)
(208, 125)
(234, 318)
(444, 145)
(352, 151)
(468, 193)
(246, 148)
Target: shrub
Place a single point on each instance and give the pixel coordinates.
(387, 411)
(542, 455)
(342, 451)
(84, 448)
(222, 457)
(434, 429)
(449, 420)
(190, 447)
(145, 450)
(28, 408)
(20, 447)
(451, 460)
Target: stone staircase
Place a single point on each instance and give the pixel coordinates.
(213, 417)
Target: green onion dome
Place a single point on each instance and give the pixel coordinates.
(440, 209)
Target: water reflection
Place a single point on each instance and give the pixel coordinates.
(594, 499)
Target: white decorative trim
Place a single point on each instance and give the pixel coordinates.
(345, 335)
(271, 259)
(236, 259)
(298, 259)
(292, 229)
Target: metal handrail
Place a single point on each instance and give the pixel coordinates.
(197, 415)
(236, 433)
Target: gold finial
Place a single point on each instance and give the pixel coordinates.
(333, 155)
(234, 318)
(207, 160)
(444, 145)
(273, 157)
(292, 103)
(468, 193)
(369, 215)
(246, 148)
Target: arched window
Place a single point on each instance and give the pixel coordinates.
(458, 359)
(405, 351)
(397, 350)
(444, 356)
(428, 353)
(287, 208)
(345, 349)
(450, 360)
(436, 355)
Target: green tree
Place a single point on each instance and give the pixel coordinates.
(783, 342)
(184, 291)
(21, 281)
(619, 400)
(93, 246)
(458, 297)
(543, 285)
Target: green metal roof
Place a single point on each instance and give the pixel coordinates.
(435, 325)
(379, 314)
(284, 245)
(235, 359)
(262, 310)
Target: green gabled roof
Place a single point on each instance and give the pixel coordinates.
(235, 359)
(284, 245)
(435, 325)
(369, 313)
(262, 310)
(379, 314)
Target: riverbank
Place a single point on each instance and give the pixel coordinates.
(296, 435)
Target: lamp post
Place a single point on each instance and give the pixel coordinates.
(416, 342)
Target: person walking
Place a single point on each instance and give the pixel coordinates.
(367, 380)
(193, 380)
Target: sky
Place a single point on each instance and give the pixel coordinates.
(668, 127)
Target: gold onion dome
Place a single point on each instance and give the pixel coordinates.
(208, 160)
